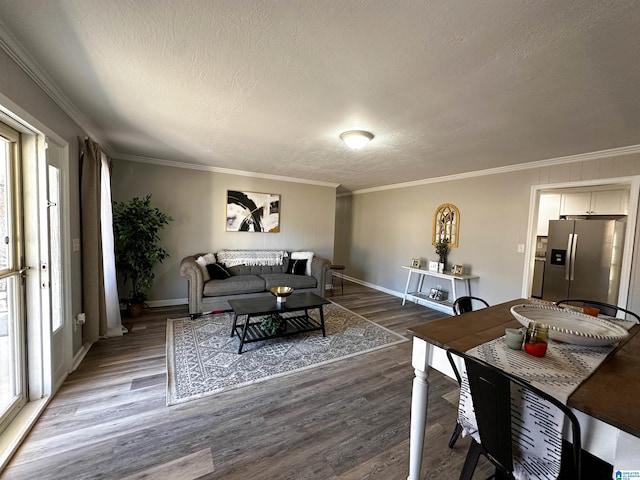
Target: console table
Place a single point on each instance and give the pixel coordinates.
(442, 305)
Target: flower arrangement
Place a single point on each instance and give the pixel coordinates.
(442, 249)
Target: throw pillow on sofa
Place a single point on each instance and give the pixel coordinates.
(297, 267)
(303, 256)
(202, 262)
(217, 271)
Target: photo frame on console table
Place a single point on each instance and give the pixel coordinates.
(253, 212)
(436, 294)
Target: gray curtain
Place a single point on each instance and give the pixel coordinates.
(93, 296)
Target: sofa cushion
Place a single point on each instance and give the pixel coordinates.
(256, 269)
(288, 280)
(297, 267)
(217, 271)
(234, 285)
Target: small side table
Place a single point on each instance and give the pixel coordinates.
(337, 271)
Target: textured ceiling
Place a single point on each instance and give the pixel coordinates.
(267, 86)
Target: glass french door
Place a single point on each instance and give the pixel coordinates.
(12, 299)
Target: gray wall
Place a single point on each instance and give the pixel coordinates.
(196, 200)
(377, 232)
(17, 86)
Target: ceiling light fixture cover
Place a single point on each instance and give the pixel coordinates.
(356, 139)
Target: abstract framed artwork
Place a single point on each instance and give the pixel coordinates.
(253, 212)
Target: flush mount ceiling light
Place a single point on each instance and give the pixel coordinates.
(356, 139)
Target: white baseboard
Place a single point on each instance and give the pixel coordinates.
(433, 306)
(375, 287)
(168, 303)
(78, 357)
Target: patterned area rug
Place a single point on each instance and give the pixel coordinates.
(203, 359)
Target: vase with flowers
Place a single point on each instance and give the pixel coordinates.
(442, 249)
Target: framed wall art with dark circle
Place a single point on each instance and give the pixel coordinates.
(253, 212)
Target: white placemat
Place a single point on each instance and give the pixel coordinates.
(538, 440)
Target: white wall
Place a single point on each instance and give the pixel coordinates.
(377, 232)
(196, 200)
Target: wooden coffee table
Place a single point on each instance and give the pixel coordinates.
(260, 306)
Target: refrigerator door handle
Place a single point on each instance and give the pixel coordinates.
(567, 261)
(573, 255)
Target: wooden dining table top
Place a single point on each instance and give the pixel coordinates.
(612, 392)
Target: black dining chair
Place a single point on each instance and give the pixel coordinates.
(462, 305)
(490, 390)
(605, 308)
(465, 304)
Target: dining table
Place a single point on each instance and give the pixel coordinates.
(607, 403)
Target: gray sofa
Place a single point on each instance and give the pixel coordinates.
(247, 281)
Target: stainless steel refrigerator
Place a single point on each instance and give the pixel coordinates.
(583, 260)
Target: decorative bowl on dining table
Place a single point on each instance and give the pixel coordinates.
(570, 326)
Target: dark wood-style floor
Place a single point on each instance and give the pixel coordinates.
(346, 420)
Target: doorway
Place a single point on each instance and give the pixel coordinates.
(630, 184)
(35, 328)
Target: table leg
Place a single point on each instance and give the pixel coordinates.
(419, 401)
(453, 288)
(406, 289)
(244, 334)
(233, 325)
(322, 321)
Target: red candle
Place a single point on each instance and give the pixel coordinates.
(535, 341)
(536, 349)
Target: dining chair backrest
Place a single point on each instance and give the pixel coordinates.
(462, 305)
(465, 304)
(490, 390)
(605, 308)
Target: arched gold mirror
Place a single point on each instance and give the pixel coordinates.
(446, 223)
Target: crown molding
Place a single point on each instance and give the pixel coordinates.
(26, 62)
(226, 171)
(581, 157)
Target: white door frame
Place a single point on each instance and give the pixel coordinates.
(58, 155)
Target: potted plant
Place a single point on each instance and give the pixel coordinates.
(272, 324)
(136, 224)
(442, 249)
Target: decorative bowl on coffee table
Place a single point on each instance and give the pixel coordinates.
(281, 293)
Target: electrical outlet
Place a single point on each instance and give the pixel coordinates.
(439, 287)
(521, 248)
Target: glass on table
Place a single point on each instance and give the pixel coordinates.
(536, 339)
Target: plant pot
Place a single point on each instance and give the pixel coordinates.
(134, 309)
